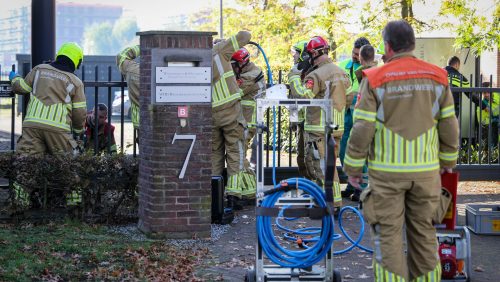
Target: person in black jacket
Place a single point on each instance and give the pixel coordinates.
(458, 80)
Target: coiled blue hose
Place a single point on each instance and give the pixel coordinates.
(310, 254)
(290, 258)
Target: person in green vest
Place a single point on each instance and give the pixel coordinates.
(486, 113)
(350, 66)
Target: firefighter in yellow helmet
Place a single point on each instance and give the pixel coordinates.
(129, 68)
(324, 80)
(405, 125)
(228, 123)
(251, 81)
(57, 107)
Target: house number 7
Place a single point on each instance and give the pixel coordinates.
(186, 161)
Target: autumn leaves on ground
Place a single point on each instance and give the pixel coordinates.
(70, 251)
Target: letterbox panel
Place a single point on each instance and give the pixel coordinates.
(182, 75)
(184, 94)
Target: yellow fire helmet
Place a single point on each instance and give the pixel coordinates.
(300, 47)
(73, 51)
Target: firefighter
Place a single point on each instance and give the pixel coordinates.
(367, 60)
(405, 125)
(228, 123)
(300, 64)
(250, 79)
(324, 80)
(57, 107)
(105, 133)
(129, 68)
(350, 66)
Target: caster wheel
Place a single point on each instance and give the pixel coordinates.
(336, 276)
(250, 275)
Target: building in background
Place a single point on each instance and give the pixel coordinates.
(71, 21)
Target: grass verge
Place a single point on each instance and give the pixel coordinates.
(73, 251)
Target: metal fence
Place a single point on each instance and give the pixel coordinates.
(478, 154)
(97, 86)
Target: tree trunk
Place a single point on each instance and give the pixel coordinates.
(406, 9)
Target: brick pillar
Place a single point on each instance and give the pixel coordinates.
(171, 207)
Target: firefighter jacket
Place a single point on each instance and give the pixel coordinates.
(253, 85)
(484, 113)
(225, 90)
(130, 69)
(57, 102)
(405, 122)
(326, 80)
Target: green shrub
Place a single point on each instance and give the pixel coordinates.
(96, 187)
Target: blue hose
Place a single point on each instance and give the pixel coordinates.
(270, 80)
(310, 255)
(290, 258)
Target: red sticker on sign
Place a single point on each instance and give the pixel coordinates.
(310, 84)
(182, 112)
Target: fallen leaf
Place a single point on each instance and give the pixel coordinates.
(479, 269)
(348, 276)
(363, 276)
(369, 266)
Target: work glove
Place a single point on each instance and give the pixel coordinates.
(13, 75)
(295, 71)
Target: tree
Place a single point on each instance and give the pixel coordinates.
(330, 21)
(274, 25)
(108, 39)
(473, 30)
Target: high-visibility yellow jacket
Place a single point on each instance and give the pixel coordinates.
(130, 69)
(225, 90)
(483, 113)
(57, 102)
(405, 122)
(327, 80)
(252, 85)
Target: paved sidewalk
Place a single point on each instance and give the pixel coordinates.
(234, 252)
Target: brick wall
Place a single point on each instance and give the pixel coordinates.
(170, 207)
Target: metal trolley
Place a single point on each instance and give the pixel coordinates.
(273, 272)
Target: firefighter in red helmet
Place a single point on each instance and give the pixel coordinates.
(250, 79)
(324, 80)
